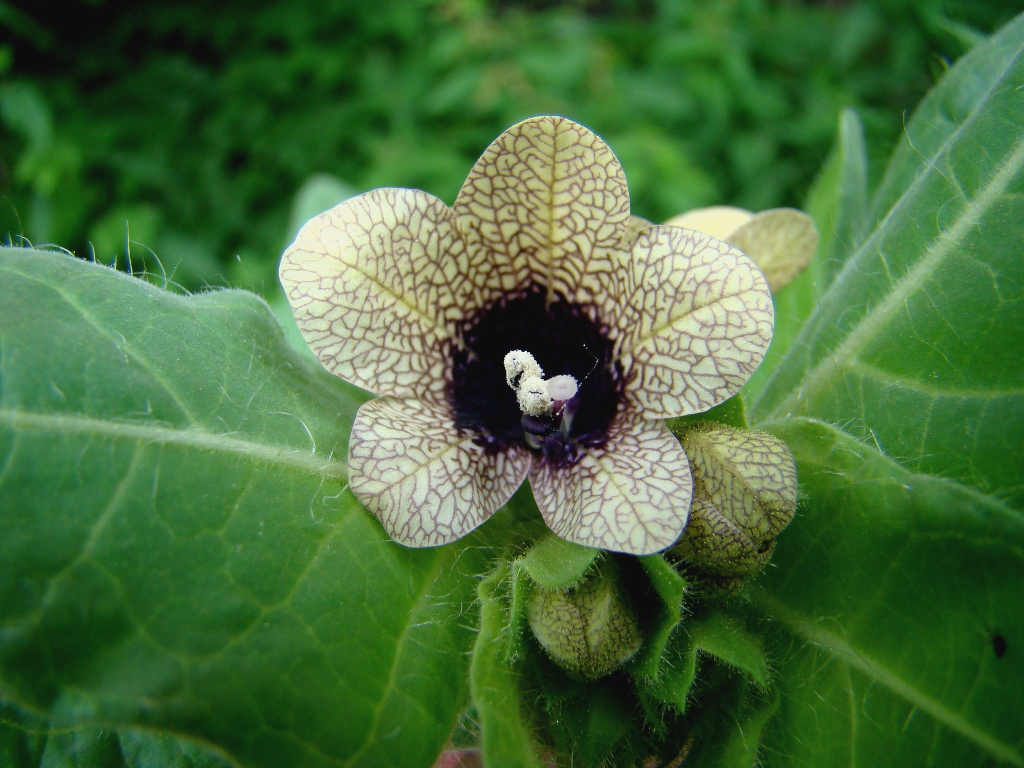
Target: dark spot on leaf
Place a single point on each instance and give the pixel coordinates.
(998, 645)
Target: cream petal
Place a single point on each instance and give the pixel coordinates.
(426, 483)
(781, 241)
(377, 284)
(547, 203)
(717, 220)
(633, 495)
(697, 321)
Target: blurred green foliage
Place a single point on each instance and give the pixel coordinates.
(189, 130)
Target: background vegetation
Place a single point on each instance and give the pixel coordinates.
(189, 130)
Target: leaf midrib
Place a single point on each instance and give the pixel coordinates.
(188, 437)
(992, 502)
(821, 376)
(830, 643)
(894, 380)
(830, 366)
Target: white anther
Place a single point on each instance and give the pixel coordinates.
(533, 396)
(521, 365)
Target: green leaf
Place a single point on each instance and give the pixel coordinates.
(155, 750)
(27, 743)
(710, 634)
(555, 563)
(82, 749)
(495, 685)
(838, 204)
(679, 670)
(599, 720)
(662, 614)
(895, 622)
(582, 722)
(180, 549)
(725, 638)
(915, 345)
(728, 727)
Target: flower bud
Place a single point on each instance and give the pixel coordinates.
(781, 241)
(588, 629)
(744, 494)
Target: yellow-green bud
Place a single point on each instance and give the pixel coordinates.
(744, 494)
(588, 630)
(781, 241)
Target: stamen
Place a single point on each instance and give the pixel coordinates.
(520, 364)
(537, 397)
(533, 397)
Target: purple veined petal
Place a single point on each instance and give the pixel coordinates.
(547, 203)
(632, 495)
(426, 483)
(696, 323)
(377, 285)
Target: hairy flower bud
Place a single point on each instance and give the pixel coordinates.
(744, 494)
(588, 629)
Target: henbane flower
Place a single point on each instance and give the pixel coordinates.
(615, 325)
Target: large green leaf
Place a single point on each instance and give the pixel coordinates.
(892, 599)
(837, 204)
(915, 346)
(180, 551)
(895, 620)
(505, 731)
(26, 742)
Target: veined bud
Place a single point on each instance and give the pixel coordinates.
(588, 629)
(744, 494)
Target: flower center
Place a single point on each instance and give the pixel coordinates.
(498, 390)
(537, 397)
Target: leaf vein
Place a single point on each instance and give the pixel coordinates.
(820, 377)
(391, 684)
(866, 370)
(121, 344)
(837, 647)
(192, 437)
